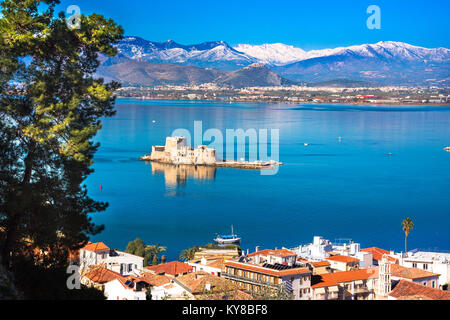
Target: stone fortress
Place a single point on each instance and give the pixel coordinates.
(176, 151)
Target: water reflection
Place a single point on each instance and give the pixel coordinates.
(176, 175)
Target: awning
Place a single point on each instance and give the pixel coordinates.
(319, 290)
(359, 282)
(333, 289)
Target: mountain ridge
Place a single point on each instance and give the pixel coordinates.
(385, 62)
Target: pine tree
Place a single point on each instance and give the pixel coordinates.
(50, 110)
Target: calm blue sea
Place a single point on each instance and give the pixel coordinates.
(337, 189)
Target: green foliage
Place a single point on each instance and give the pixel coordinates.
(47, 124)
(188, 254)
(148, 252)
(155, 260)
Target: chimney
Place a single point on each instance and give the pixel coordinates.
(247, 252)
(208, 287)
(257, 249)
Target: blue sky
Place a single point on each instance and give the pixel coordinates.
(306, 24)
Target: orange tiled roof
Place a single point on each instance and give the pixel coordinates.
(279, 253)
(173, 268)
(268, 271)
(320, 264)
(96, 247)
(377, 253)
(102, 275)
(196, 282)
(155, 280)
(408, 290)
(410, 273)
(340, 258)
(333, 279)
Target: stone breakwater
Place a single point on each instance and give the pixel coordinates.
(249, 165)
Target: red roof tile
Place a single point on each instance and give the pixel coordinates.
(333, 279)
(102, 275)
(340, 258)
(96, 247)
(377, 253)
(173, 268)
(320, 264)
(410, 273)
(408, 290)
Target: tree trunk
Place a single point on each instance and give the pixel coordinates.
(14, 218)
(406, 248)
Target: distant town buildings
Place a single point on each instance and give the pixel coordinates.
(321, 270)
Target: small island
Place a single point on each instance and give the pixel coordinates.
(177, 152)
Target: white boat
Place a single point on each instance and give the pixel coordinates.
(227, 239)
(447, 149)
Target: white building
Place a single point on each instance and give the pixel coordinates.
(429, 261)
(212, 265)
(95, 254)
(124, 289)
(321, 248)
(270, 269)
(170, 291)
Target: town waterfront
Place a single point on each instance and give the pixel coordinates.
(337, 188)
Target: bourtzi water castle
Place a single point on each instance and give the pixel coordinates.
(177, 152)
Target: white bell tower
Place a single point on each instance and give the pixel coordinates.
(384, 276)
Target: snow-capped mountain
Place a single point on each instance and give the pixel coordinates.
(386, 62)
(216, 54)
(279, 54)
(276, 54)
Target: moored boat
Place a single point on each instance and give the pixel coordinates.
(227, 239)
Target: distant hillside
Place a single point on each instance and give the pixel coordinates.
(255, 75)
(132, 72)
(344, 83)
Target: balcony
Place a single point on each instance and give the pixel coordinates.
(358, 290)
(249, 280)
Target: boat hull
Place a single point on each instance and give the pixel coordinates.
(227, 241)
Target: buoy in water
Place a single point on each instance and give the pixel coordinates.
(101, 187)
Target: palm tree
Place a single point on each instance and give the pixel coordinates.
(408, 225)
(154, 250)
(187, 254)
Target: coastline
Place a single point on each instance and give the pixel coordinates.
(275, 102)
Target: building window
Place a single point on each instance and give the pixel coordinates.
(425, 266)
(433, 284)
(414, 265)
